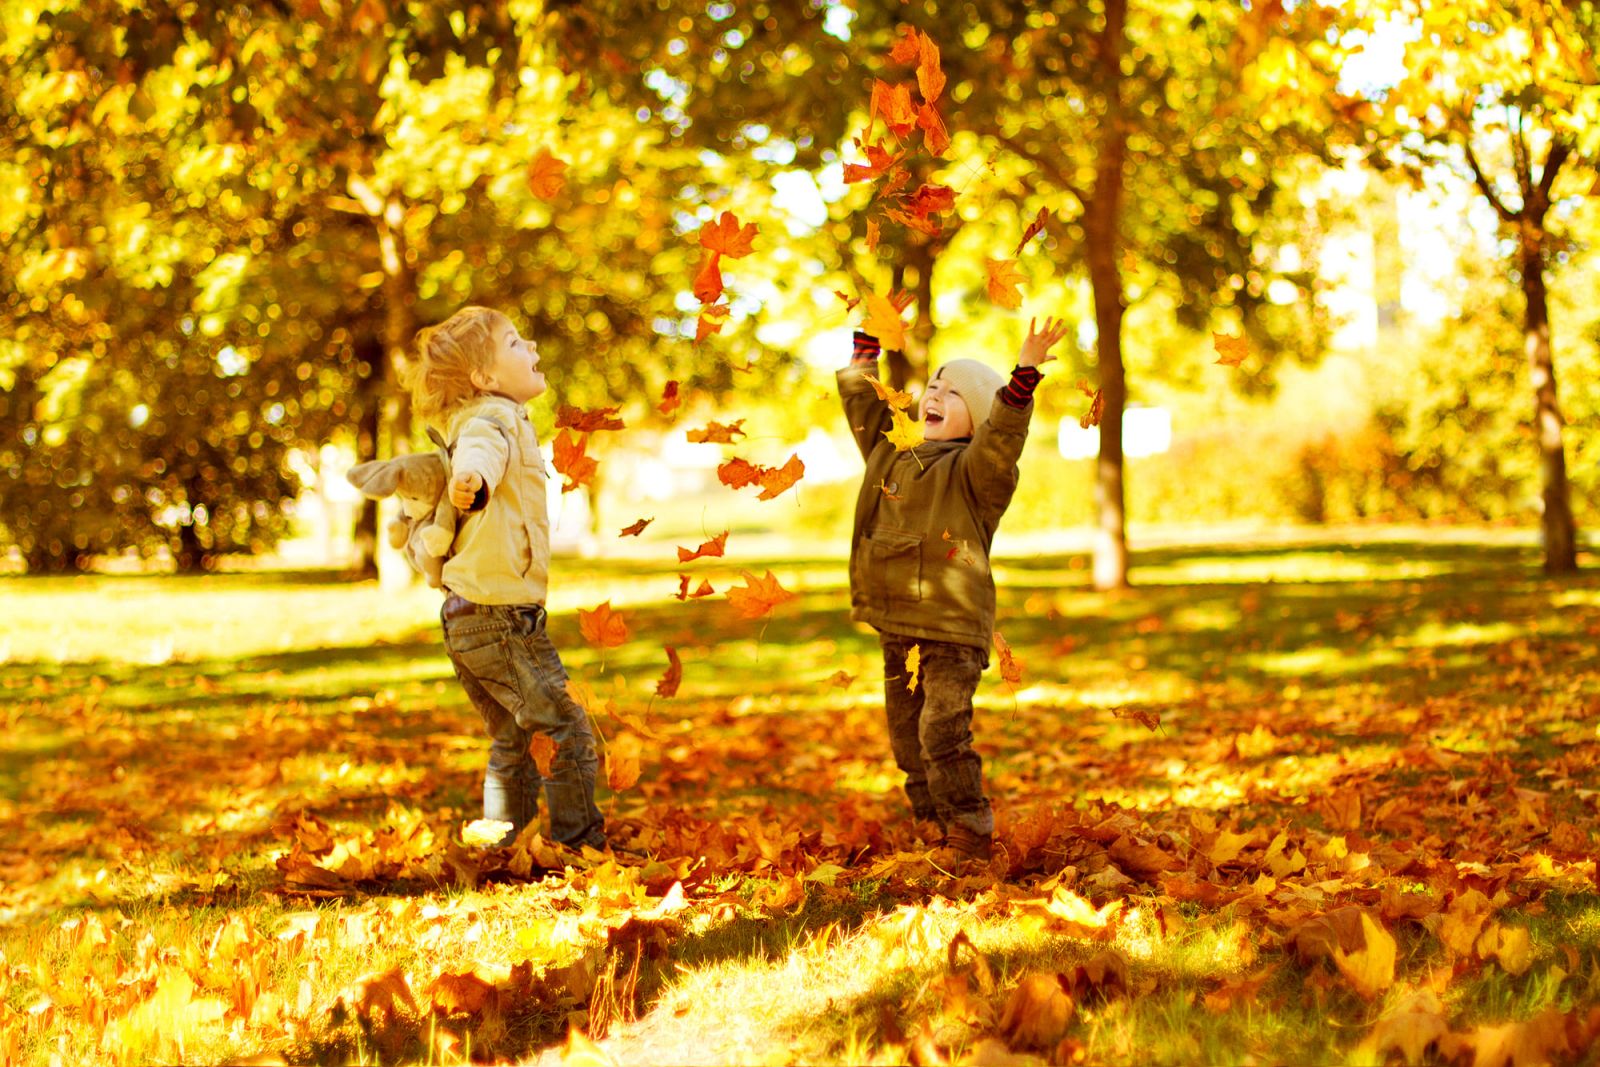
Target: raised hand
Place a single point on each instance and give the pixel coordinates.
(1036, 346)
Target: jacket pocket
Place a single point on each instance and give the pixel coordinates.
(894, 563)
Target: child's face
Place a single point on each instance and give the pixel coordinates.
(944, 414)
(515, 372)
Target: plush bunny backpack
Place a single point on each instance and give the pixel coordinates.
(426, 526)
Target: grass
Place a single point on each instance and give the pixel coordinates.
(1415, 717)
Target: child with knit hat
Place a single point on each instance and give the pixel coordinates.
(919, 569)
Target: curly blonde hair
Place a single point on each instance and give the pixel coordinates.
(440, 379)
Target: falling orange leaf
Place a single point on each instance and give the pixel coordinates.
(704, 589)
(1096, 405)
(908, 47)
(913, 667)
(602, 626)
(542, 747)
(707, 286)
(930, 75)
(572, 462)
(774, 480)
(872, 245)
(737, 473)
(669, 399)
(571, 418)
(1231, 351)
(1010, 666)
(547, 175)
(1150, 720)
(841, 679)
(884, 323)
(895, 398)
(894, 103)
(1003, 281)
(932, 199)
(879, 160)
(727, 237)
(637, 528)
(667, 687)
(758, 596)
(934, 136)
(905, 433)
(622, 761)
(920, 223)
(714, 547)
(710, 321)
(716, 433)
(1034, 227)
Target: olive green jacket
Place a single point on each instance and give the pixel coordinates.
(925, 518)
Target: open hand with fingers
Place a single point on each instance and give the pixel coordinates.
(1036, 346)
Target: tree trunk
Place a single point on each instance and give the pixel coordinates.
(1103, 241)
(369, 350)
(399, 327)
(1559, 528)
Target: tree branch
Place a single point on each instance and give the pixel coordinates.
(1484, 185)
(1053, 166)
(1560, 149)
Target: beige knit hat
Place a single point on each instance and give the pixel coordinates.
(975, 383)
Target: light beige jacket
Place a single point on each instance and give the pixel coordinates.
(501, 553)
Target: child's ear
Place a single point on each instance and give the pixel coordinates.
(482, 381)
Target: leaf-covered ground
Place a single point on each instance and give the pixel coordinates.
(1302, 802)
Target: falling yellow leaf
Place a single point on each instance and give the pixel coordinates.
(913, 667)
(884, 323)
(486, 832)
(622, 761)
(895, 398)
(905, 433)
(1003, 281)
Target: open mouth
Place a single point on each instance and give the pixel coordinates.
(933, 418)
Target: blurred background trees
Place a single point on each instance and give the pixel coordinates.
(225, 223)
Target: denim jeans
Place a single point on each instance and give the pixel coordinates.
(515, 679)
(930, 730)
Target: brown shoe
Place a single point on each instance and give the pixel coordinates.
(930, 832)
(963, 848)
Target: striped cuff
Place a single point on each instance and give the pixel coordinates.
(1018, 392)
(866, 348)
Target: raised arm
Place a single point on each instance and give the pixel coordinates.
(989, 464)
(867, 416)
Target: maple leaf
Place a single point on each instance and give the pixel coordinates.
(1097, 404)
(667, 687)
(931, 199)
(758, 596)
(704, 589)
(707, 285)
(905, 433)
(622, 761)
(895, 398)
(1231, 351)
(1037, 1013)
(908, 47)
(774, 480)
(920, 223)
(737, 473)
(637, 528)
(894, 103)
(602, 626)
(884, 323)
(714, 547)
(913, 667)
(934, 136)
(547, 175)
(727, 237)
(872, 245)
(669, 399)
(841, 679)
(571, 418)
(1150, 720)
(571, 462)
(485, 833)
(1010, 666)
(1370, 970)
(542, 747)
(461, 993)
(716, 433)
(879, 160)
(1003, 281)
(930, 75)
(1034, 227)
(1415, 1021)
(710, 321)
